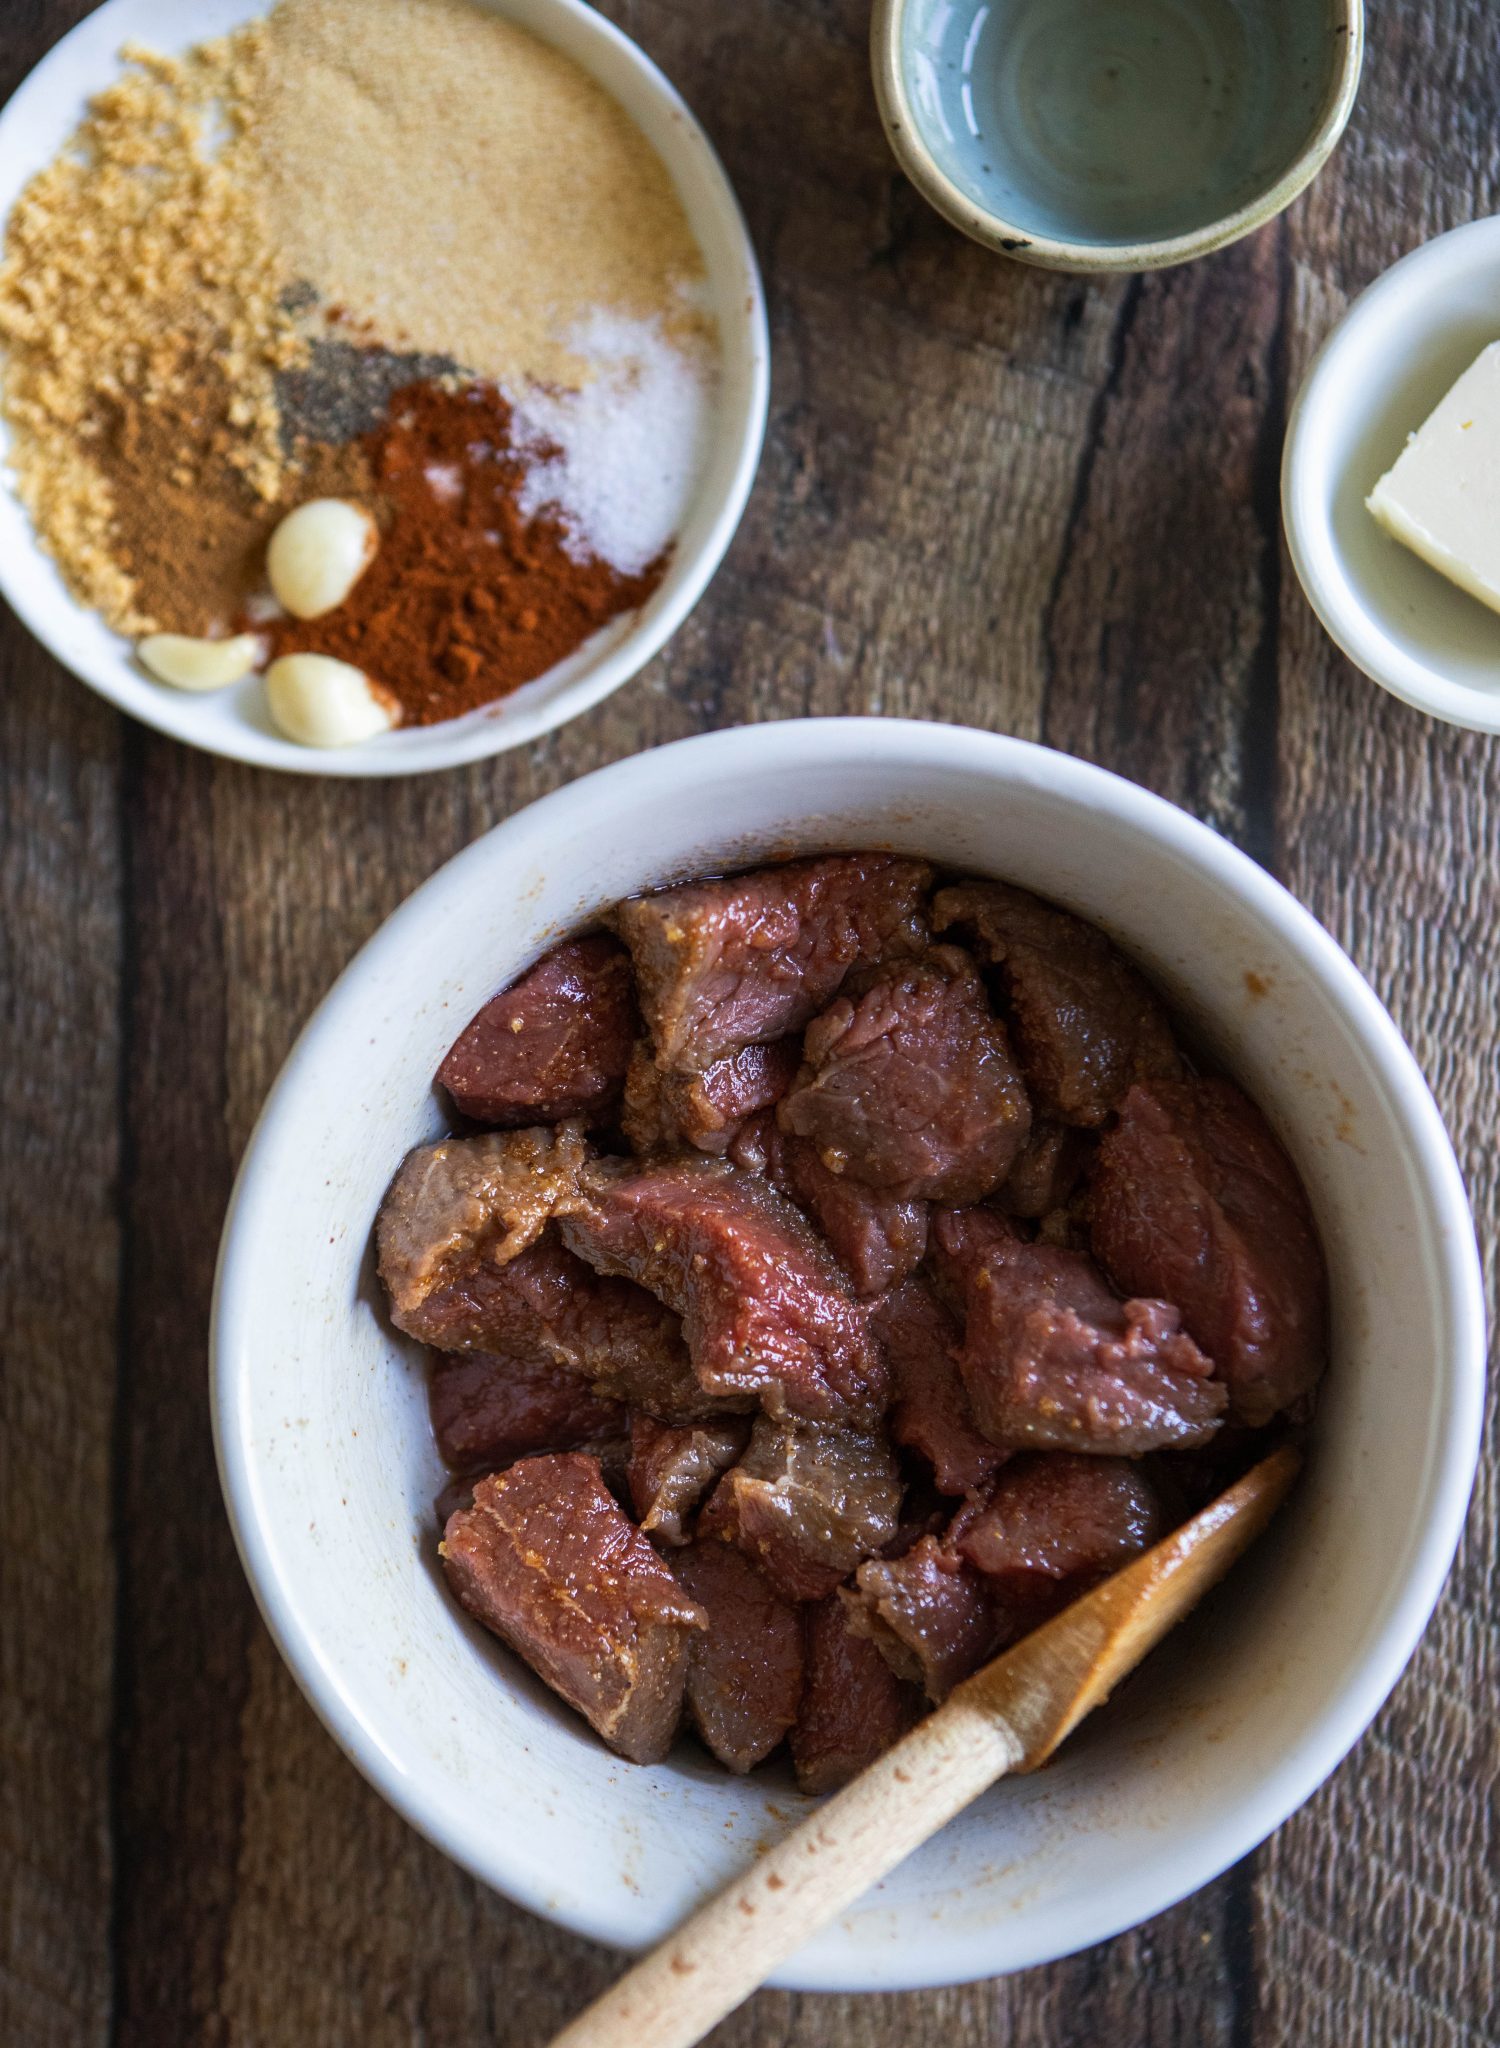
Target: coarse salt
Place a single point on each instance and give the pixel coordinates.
(626, 450)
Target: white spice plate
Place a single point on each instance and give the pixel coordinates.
(36, 124)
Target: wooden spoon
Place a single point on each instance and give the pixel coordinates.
(1008, 1717)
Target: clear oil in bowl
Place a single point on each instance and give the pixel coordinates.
(1117, 121)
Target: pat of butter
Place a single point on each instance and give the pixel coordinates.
(1442, 497)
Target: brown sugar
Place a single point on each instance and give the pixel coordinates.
(142, 241)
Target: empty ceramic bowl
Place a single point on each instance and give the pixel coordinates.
(1114, 134)
(1375, 380)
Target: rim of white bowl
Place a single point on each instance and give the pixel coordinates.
(478, 735)
(797, 744)
(1307, 480)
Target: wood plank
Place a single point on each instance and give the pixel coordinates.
(60, 894)
(1378, 1906)
(60, 899)
(185, 1610)
(1160, 629)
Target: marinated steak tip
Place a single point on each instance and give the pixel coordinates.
(744, 1680)
(931, 1413)
(554, 1044)
(766, 1312)
(547, 1560)
(721, 965)
(1191, 1197)
(853, 1705)
(1061, 1517)
(1053, 1360)
(673, 1466)
(1085, 1023)
(665, 1111)
(908, 1084)
(876, 1237)
(930, 1615)
(488, 1410)
(461, 1209)
(807, 1501)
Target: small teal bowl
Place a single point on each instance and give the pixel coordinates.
(1114, 134)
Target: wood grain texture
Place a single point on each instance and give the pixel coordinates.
(61, 923)
(1030, 503)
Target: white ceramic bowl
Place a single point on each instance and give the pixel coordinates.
(330, 1472)
(1375, 380)
(35, 125)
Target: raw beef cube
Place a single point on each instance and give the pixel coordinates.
(908, 1083)
(1192, 1198)
(459, 1210)
(1085, 1023)
(1056, 1517)
(547, 1560)
(931, 1412)
(554, 1044)
(1052, 1360)
(488, 1410)
(672, 1467)
(547, 1306)
(664, 1110)
(745, 1672)
(853, 1705)
(1048, 1170)
(740, 962)
(617, 1336)
(876, 1236)
(930, 1615)
(766, 1311)
(807, 1501)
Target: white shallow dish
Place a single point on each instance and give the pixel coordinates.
(35, 125)
(1375, 380)
(330, 1472)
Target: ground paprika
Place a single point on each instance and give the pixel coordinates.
(467, 598)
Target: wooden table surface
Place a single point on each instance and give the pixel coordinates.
(1023, 502)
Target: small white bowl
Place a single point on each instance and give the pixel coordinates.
(330, 1472)
(234, 722)
(1374, 381)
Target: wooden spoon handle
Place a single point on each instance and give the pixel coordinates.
(730, 1946)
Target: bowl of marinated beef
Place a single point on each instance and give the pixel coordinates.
(759, 1233)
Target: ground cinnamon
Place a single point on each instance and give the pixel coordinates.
(467, 598)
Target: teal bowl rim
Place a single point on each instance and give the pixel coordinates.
(904, 134)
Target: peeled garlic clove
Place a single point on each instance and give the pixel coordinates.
(189, 664)
(318, 554)
(326, 703)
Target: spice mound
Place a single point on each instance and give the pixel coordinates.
(467, 597)
(365, 347)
